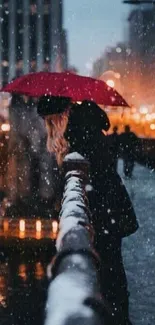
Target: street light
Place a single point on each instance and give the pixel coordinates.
(112, 79)
(22, 225)
(5, 127)
(55, 226)
(38, 226)
(110, 83)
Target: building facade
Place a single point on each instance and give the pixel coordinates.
(114, 65)
(32, 37)
(142, 43)
(134, 60)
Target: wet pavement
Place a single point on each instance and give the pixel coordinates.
(23, 282)
(23, 289)
(139, 249)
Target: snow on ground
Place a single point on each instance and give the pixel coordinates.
(139, 249)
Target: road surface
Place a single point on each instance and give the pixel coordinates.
(139, 249)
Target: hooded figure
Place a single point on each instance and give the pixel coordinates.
(73, 127)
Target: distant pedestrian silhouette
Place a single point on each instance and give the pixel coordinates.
(113, 140)
(128, 144)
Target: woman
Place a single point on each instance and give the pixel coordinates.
(79, 128)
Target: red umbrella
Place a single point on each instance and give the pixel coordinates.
(65, 84)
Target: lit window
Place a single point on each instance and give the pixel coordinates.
(33, 9)
(46, 9)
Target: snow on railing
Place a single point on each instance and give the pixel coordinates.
(74, 295)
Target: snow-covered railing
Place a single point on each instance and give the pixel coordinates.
(74, 295)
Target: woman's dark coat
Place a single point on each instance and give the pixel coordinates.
(114, 211)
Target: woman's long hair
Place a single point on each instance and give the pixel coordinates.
(84, 120)
(56, 125)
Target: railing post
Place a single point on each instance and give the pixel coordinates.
(74, 295)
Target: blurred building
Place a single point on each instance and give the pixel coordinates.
(142, 43)
(113, 66)
(64, 49)
(73, 69)
(141, 31)
(98, 66)
(114, 58)
(134, 60)
(32, 37)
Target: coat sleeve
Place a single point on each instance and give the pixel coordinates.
(113, 209)
(127, 221)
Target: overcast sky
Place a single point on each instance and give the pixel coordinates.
(92, 26)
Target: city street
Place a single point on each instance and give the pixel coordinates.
(139, 249)
(23, 281)
(70, 71)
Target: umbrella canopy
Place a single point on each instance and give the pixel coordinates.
(65, 84)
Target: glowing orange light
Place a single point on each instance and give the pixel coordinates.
(54, 226)
(6, 225)
(117, 75)
(22, 225)
(22, 234)
(5, 127)
(22, 271)
(148, 117)
(143, 110)
(136, 116)
(38, 226)
(152, 126)
(38, 235)
(39, 271)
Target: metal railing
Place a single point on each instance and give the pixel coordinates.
(74, 294)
